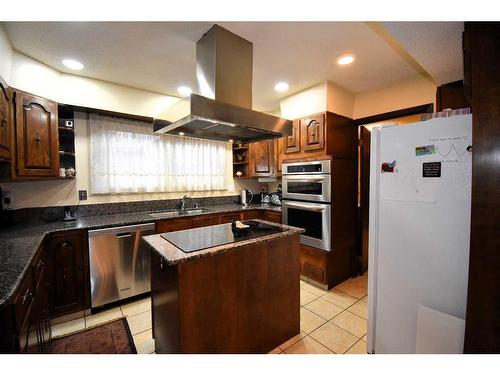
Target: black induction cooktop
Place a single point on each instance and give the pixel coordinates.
(197, 239)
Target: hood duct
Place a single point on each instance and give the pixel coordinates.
(223, 111)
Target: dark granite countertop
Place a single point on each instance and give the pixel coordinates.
(18, 244)
(173, 255)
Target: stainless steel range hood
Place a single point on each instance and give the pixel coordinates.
(223, 111)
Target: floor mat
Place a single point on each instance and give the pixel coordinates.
(109, 338)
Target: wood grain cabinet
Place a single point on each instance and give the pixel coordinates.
(262, 158)
(36, 136)
(291, 143)
(5, 124)
(317, 136)
(68, 267)
(313, 132)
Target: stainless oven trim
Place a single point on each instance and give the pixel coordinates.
(326, 222)
(326, 169)
(326, 192)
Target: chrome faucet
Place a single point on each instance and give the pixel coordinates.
(183, 202)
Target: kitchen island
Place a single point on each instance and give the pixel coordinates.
(239, 295)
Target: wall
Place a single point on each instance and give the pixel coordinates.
(409, 93)
(5, 56)
(326, 96)
(30, 75)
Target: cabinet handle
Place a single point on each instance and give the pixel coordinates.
(161, 263)
(27, 295)
(64, 244)
(38, 138)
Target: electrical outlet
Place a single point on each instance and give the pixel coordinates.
(82, 195)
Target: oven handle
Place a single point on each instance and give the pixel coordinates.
(307, 179)
(307, 207)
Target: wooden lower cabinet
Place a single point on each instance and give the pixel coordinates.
(326, 268)
(205, 221)
(68, 266)
(251, 303)
(172, 225)
(273, 216)
(228, 218)
(252, 214)
(25, 321)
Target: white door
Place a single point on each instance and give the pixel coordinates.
(419, 236)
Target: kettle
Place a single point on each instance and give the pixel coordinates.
(246, 197)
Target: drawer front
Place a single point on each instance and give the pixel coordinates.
(273, 216)
(206, 220)
(23, 299)
(38, 265)
(228, 218)
(253, 214)
(313, 272)
(173, 225)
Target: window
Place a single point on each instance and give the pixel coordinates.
(127, 157)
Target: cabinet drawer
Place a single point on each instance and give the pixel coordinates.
(273, 216)
(38, 265)
(206, 220)
(228, 218)
(248, 215)
(313, 272)
(173, 225)
(23, 299)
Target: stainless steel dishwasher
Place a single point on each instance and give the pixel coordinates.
(119, 263)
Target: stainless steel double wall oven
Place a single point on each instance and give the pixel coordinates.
(307, 192)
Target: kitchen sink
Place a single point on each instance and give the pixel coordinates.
(175, 213)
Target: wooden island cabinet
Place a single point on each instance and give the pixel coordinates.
(237, 300)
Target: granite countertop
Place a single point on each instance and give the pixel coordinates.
(173, 255)
(18, 244)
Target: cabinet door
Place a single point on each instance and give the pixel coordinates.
(4, 124)
(172, 225)
(206, 220)
(273, 216)
(313, 133)
(292, 142)
(36, 136)
(262, 159)
(229, 218)
(69, 273)
(280, 155)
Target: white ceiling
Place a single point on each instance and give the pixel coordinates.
(160, 56)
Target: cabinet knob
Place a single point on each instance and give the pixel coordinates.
(37, 137)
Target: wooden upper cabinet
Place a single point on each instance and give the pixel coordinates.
(36, 136)
(262, 158)
(313, 133)
(292, 142)
(5, 119)
(280, 154)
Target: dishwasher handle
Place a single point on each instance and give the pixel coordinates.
(124, 235)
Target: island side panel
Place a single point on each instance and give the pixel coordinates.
(245, 300)
(165, 305)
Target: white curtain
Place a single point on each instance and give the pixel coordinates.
(127, 157)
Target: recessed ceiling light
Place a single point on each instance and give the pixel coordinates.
(181, 133)
(73, 64)
(231, 141)
(345, 59)
(184, 91)
(281, 86)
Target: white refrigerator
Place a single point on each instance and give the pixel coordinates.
(419, 228)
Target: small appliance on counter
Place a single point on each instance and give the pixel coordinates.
(246, 197)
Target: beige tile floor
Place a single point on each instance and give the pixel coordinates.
(330, 321)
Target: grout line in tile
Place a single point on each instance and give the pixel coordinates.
(351, 345)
